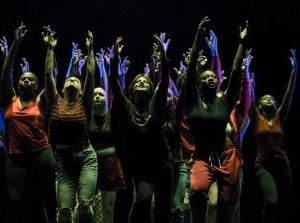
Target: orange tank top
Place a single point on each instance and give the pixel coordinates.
(24, 128)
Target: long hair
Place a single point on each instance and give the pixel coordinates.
(131, 85)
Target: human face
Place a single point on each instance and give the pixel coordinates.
(267, 101)
(72, 83)
(99, 96)
(27, 82)
(208, 79)
(141, 84)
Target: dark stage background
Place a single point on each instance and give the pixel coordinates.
(274, 28)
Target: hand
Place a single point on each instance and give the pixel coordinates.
(181, 70)
(81, 61)
(20, 33)
(244, 32)
(146, 69)
(110, 53)
(4, 46)
(186, 57)
(203, 24)
(125, 63)
(160, 45)
(46, 34)
(293, 59)
(247, 61)
(212, 43)
(75, 49)
(114, 51)
(155, 54)
(24, 65)
(89, 41)
(52, 42)
(100, 57)
(165, 45)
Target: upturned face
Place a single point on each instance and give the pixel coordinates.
(99, 96)
(141, 84)
(27, 83)
(72, 83)
(267, 101)
(208, 79)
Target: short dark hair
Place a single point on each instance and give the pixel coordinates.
(34, 76)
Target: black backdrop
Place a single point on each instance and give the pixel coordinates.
(274, 28)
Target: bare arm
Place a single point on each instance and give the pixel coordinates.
(114, 82)
(7, 91)
(231, 92)
(212, 43)
(50, 86)
(191, 80)
(288, 96)
(245, 100)
(161, 94)
(88, 88)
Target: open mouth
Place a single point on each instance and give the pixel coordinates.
(211, 84)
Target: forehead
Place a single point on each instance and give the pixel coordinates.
(207, 73)
(28, 74)
(99, 91)
(141, 78)
(73, 78)
(267, 96)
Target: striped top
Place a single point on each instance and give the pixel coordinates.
(68, 122)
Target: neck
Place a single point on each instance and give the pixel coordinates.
(141, 101)
(208, 95)
(71, 97)
(268, 112)
(27, 97)
(99, 110)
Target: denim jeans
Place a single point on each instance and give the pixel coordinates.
(182, 178)
(76, 172)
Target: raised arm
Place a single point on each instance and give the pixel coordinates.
(288, 96)
(75, 67)
(103, 78)
(244, 102)
(162, 91)
(7, 91)
(25, 67)
(88, 89)
(4, 46)
(113, 76)
(47, 29)
(190, 90)
(234, 81)
(50, 86)
(212, 43)
(123, 71)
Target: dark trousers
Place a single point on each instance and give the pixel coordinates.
(275, 186)
(161, 186)
(3, 186)
(29, 177)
